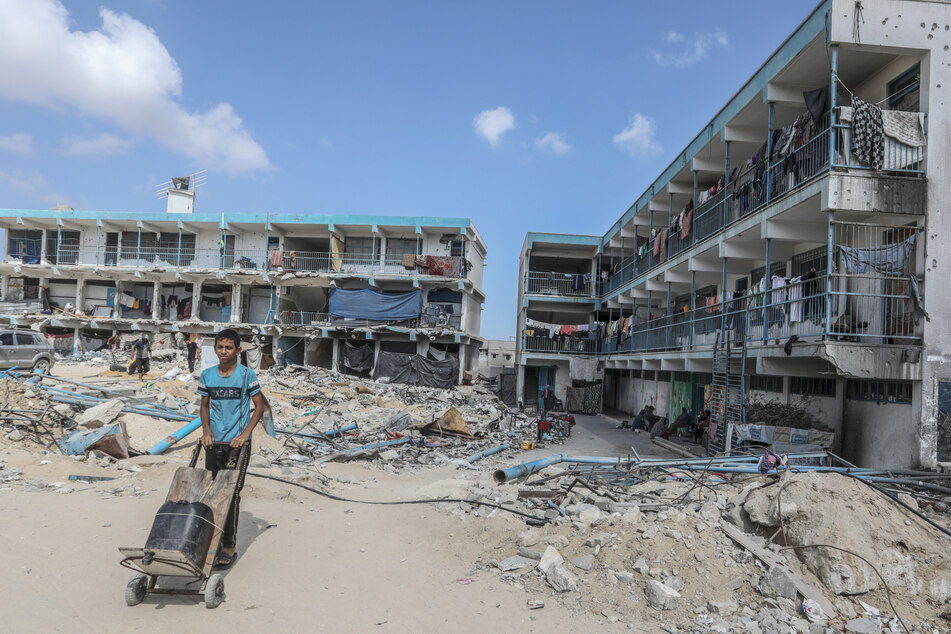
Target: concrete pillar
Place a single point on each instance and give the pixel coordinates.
(5, 287)
(157, 300)
(462, 361)
(334, 364)
(77, 348)
(237, 303)
(196, 300)
(81, 295)
(44, 289)
(117, 308)
(43, 246)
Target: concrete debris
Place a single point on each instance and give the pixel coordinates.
(777, 583)
(561, 579)
(661, 597)
(639, 544)
(516, 562)
(101, 414)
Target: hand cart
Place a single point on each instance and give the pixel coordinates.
(189, 486)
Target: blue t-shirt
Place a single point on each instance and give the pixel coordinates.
(229, 400)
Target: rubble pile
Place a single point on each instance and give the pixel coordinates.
(324, 416)
(687, 555)
(675, 545)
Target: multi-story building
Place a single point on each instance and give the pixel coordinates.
(782, 254)
(337, 291)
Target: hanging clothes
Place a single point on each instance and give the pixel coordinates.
(685, 223)
(889, 259)
(794, 293)
(868, 133)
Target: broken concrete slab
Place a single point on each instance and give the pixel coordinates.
(516, 562)
(100, 415)
(661, 597)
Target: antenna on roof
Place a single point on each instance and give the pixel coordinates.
(180, 191)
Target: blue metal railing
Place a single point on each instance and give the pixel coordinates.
(761, 184)
(562, 284)
(869, 308)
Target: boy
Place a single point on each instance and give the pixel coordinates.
(227, 392)
(143, 355)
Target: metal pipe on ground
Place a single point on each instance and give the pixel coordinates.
(487, 452)
(173, 438)
(362, 448)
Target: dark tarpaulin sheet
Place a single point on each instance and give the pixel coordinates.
(445, 295)
(375, 305)
(413, 369)
(357, 358)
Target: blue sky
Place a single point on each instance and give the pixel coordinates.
(524, 116)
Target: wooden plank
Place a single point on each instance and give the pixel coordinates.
(804, 587)
(188, 484)
(196, 485)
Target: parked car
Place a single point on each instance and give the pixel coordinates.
(25, 350)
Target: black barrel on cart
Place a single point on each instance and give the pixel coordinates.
(183, 526)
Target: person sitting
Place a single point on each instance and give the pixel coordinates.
(703, 424)
(644, 420)
(683, 421)
(660, 429)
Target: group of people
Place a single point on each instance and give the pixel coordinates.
(647, 420)
(142, 353)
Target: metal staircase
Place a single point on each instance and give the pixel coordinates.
(728, 402)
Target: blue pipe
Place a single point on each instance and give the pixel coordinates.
(488, 452)
(339, 430)
(356, 450)
(163, 446)
(504, 475)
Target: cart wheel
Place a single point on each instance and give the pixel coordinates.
(136, 588)
(214, 591)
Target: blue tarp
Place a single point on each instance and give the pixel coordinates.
(375, 305)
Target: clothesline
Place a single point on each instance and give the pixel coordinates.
(877, 103)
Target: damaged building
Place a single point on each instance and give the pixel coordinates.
(376, 296)
(788, 254)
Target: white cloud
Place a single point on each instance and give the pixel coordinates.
(637, 139)
(32, 184)
(682, 51)
(103, 145)
(19, 142)
(553, 143)
(492, 124)
(121, 73)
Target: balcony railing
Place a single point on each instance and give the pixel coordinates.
(228, 259)
(566, 345)
(562, 284)
(322, 262)
(302, 318)
(868, 307)
(761, 184)
(305, 318)
(441, 321)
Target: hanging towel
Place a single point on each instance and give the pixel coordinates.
(794, 292)
(277, 258)
(868, 133)
(685, 224)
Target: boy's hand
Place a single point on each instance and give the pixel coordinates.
(207, 440)
(238, 441)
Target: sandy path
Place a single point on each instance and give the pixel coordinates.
(307, 563)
